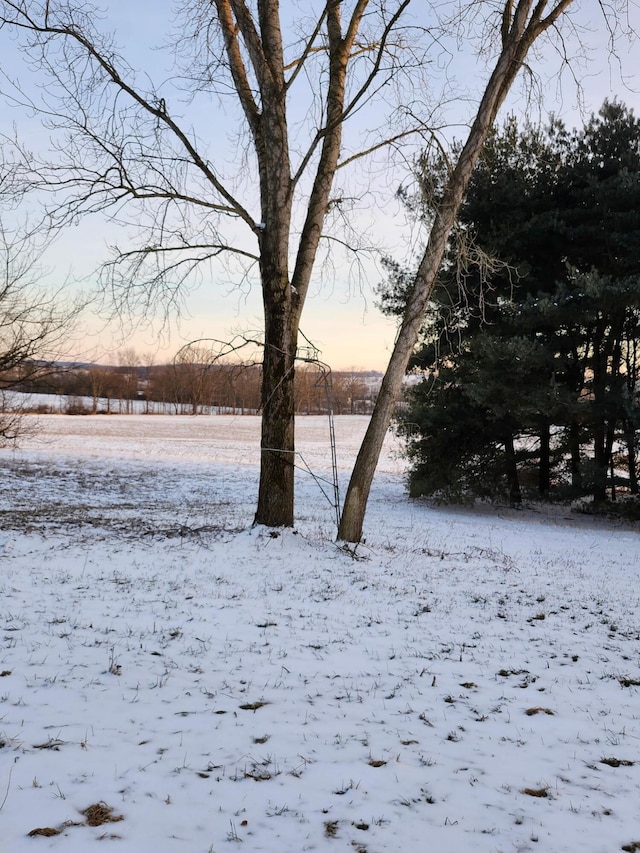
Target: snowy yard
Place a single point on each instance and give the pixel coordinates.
(173, 680)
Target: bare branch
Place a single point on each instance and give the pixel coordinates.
(298, 63)
(154, 107)
(381, 48)
(230, 29)
(35, 323)
(392, 140)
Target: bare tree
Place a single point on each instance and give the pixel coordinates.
(194, 376)
(34, 322)
(149, 361)
(34, 327)
(127, 143)
(127, 371)
(98, 381)
(352, 391)
(521, 24)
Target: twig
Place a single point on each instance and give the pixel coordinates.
(6, 793)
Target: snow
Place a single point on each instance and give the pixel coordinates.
(220, 686)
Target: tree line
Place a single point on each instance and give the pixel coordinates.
(186, 386)
(531, 350)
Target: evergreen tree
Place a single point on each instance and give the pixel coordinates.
(544, 372)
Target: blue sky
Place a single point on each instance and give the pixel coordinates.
(340, 316)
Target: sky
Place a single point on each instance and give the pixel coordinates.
(340, 317)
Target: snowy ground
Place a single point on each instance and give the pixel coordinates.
(464, 681)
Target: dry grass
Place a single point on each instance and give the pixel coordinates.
(536, 792)
(52, 743)
(95, 815)
(617, 762)
(331, 828)
(45, 831)
(100, 813)
(253, 706)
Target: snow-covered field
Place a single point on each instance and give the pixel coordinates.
(463, 681)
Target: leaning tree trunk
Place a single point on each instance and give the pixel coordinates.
(518, 34)
(351, 522)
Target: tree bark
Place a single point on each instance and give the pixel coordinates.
(275, 506)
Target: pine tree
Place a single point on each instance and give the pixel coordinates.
(543, 373)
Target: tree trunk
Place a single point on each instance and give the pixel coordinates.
(544, 470)
(511, 469)
(574, 453)
(604, 350)
(600, 463)
(518, 34)
(609, 442)
(277, 447)
(281, 307)
(612, 471)
(275, 506)
(632, 455)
